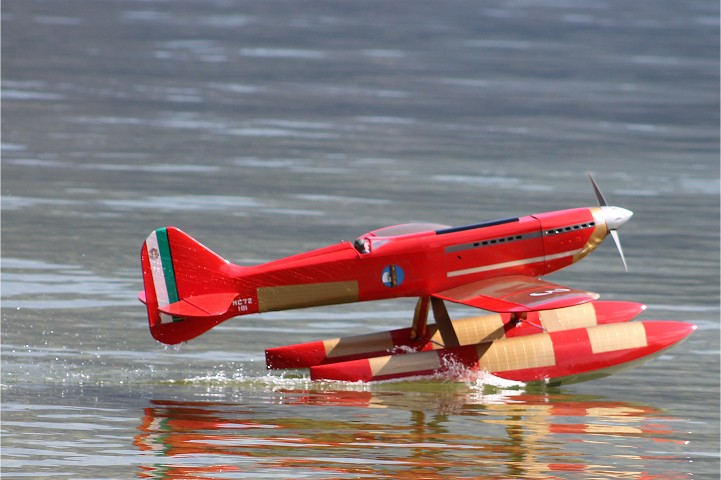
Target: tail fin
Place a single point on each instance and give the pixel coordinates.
(188, 288)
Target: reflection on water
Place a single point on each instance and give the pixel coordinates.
(408, 431)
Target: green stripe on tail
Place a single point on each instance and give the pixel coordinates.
(168, 271)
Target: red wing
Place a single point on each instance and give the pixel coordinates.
(516, 293)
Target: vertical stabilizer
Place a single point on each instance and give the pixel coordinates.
(188, 288)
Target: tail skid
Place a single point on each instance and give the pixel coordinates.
(188, 288)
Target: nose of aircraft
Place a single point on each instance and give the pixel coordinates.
(616, 217)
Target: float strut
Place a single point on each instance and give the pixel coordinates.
(420, 319)
(443, 321)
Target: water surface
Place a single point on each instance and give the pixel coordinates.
(266, 129)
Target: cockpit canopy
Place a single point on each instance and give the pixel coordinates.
(376, 238)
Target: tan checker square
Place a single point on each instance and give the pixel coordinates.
(306, 295)
(579, 316)
(517, 353)
(617, 336)
(394, 364)
(479, 329)
(372, 342)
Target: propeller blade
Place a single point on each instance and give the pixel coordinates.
(615, 217)
(617, 241)
(599, 196)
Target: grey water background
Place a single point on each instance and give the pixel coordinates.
(269, 128)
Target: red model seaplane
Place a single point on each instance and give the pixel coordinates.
(541, 331)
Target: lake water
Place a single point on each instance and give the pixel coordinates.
(269, 128)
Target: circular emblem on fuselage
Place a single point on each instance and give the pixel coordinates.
(392, 276)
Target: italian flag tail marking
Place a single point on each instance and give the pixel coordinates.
(161, 263)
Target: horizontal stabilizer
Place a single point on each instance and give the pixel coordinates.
(201, 306)
(516, 294)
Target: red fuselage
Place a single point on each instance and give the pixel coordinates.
(418, 260)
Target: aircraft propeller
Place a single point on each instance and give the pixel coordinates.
(615, 217)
